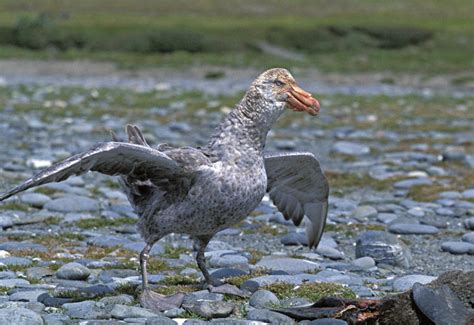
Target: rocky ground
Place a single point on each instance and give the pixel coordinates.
(401, 206)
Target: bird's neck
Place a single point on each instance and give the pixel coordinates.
(243, 131)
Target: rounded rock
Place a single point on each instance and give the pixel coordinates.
(406, 282)
(73, 271)
(263, 299)
(412, 229)
(469, 223)
(20, 316)
(469, 237)
(364, 263)
(458, 247)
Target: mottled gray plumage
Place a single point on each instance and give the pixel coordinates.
(202, 191)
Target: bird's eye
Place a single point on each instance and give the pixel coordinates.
(279, 83)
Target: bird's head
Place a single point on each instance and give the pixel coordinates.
(279, 87)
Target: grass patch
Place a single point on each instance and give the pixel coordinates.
(340, 180)
(311, 291)
(178, 279)
(174, 252)
(239, 280)
(172, 289)
(101, 222)
(357, 36)
(127, 289)
(14, 206)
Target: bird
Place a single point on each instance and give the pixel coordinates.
(201, 191)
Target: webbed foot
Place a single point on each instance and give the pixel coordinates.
(158, 302)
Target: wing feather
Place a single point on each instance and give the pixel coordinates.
(299, 189)
(110, 158)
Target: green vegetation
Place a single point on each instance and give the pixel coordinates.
(424, 36)
(13, 205)
(311, 291)
(174, 252)
(102, 222)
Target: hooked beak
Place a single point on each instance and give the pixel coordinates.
(302, 101)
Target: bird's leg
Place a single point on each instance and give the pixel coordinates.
(153, 300)
(201, 260)
(144, 255)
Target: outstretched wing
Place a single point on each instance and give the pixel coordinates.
(110, 158)
(298, 187)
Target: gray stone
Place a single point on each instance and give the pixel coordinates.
(87, 310)
(445, 212)
(386, 217)
(159, 320)
(289, 265)
(157, 249)
(407, 183)
(38, 272)
(11, 283)
(416, 212)
(469, 237)
(364, 212)
(37, 200)
(17, 261)
(202, 295)
(468, 194)
(328, 321)
(268, 316)
(364, 263)
(120, 299)
(351, 148)
(108, 241)
(406, 282)
(56, 319)
(230, 260)
(20, 316)
(458, 247)
(21, 246)
(211, 309)
(469, 223)
(450, 195)
(30, 295)
(383, 248)
(73, 271)
(330, 252)
(124, 311)
(412, 229)
(72, 203)
(263, 299)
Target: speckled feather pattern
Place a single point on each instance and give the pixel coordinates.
(200, 191)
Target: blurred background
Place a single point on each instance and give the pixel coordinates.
(427, 36)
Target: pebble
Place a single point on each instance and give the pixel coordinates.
(211, 309)
(11, 283)
(72, 203)
(458, 247)
(468, 194)
(14, 260)
(289, 265)
(351, 148)
(416, 212)
(364, 212)
(73, 271)
(124, 311)
(383, 248)
(469, 237)
(412, 182)
(412, 229)
(263, 299)
(19, 316)
(330, 252)
(268, 316)
(364, 263)
(36, 200)
(87, 309)
(328, 321)
(469, 223)
(406, 282)
(30, 295)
